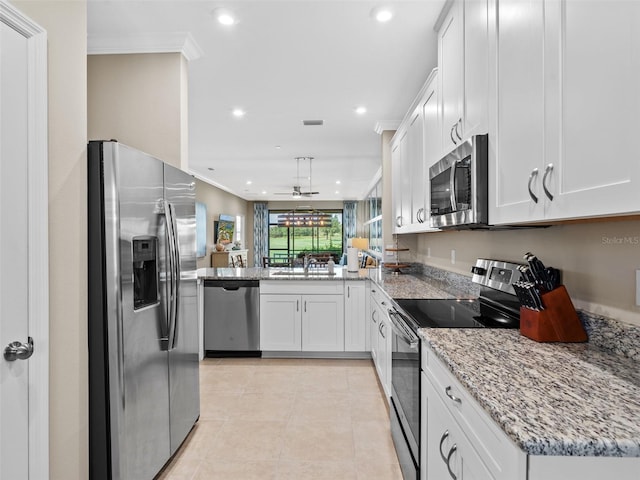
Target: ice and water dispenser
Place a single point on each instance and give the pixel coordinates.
(145, 271)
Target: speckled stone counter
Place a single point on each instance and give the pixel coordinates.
(551, 399)
(275, 273)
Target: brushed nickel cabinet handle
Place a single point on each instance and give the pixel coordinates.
(448, 393)
(547, 171)
(442, 439)
(534, 173)
(451, 452)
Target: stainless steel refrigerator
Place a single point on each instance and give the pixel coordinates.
(143, 327)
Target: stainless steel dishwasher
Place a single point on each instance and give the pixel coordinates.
(232, 318)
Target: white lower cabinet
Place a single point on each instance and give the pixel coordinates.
(449, 453)
(280, 323)
(381, 338)
(322, 323)
(313, 316)
(459, 440)
(355, 316)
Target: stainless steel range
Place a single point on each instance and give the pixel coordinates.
(497, 307)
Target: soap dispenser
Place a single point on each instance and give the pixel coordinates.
(330, 265)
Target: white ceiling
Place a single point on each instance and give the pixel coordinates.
(285, 62)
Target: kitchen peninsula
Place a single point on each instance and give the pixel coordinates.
(526, 410)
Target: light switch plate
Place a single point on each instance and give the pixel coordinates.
(453, 257)
(638, 288)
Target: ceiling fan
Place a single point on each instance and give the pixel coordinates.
(297, 189)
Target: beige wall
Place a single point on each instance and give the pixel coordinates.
(141, 101)
(66, 25)
(217, 202)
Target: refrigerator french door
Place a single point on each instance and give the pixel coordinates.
(143, 329)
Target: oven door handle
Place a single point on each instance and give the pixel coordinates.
(402, 331)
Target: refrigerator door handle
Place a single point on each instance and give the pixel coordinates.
(174, 268)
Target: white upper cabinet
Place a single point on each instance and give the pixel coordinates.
(450, 78)
(415, 147)
(517, 123)
(567, 107)
(463, 65)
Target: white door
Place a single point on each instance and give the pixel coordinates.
(23, 249)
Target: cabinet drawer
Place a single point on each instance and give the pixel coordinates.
(501, 456)
(381, 298)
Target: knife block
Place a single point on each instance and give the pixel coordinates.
(558, 322)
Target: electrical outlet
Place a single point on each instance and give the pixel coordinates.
(638, 288)
(453, 257)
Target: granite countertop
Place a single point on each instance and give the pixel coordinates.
(550, 398)
(279, 273)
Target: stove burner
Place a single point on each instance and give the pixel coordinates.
(468, 313)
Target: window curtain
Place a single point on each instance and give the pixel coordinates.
(348, 222)
(260, 232)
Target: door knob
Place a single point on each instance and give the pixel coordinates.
(18, 351)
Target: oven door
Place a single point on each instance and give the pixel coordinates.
(405, 394)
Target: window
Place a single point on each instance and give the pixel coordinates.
(294, 233)
(372, 225)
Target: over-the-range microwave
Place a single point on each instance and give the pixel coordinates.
(459, 186)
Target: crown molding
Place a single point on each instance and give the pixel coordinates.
(174, 42)
(386, 125)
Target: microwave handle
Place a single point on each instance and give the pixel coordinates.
(452, 186)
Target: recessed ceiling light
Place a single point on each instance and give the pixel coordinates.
(224, 16)
(238, 112)
(249, 182)
(382, 14)
(361, 110)
(264, 192)
(278, 147)
(337, 182)
(337, 192)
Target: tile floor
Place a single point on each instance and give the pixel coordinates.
(287, 419)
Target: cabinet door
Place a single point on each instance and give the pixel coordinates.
(280, 322)
(401, 182)
(431, 145)
(518, 121)
(355, 317)
(450, 74)
(415, 167)
(449, 453)
(592, 147)
(396, 184)
(373, 332)
(476, 67)
(323, 323)
(384, 353)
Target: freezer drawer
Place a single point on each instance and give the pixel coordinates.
(231, 317)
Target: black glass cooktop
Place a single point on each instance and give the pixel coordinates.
(450, 313)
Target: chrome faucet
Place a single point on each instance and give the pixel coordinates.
(307, 262)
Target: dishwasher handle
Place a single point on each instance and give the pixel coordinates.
(231, 285)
